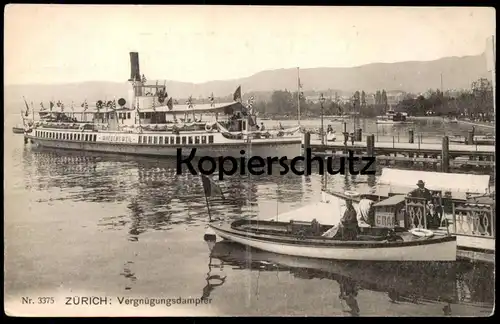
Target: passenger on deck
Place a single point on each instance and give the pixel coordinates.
(348, 228)
(421, 192)
(433, 219)
(364, 211)
(349, 222)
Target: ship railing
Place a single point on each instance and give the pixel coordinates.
(417, 212)
(473, 219)
(63, 125)
(423, 213)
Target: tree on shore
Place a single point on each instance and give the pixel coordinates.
(475, 103)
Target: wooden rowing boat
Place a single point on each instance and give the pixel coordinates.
(303, 239)
(18, 130)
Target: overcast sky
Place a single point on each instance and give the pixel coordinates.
(71, 43)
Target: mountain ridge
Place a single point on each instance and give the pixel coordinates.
(408, 76)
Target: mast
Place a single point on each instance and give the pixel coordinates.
(298, 95)
(493, 81)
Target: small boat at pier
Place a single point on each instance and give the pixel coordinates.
(393, 118)
(304, 239)
(390, 236)
(478, 140)
(339, 118)
(18, 130)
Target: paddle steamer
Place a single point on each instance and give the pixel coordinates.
(152, 123)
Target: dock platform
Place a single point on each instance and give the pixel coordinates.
(445, 155)
(388, 147)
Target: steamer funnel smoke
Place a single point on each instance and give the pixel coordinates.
(135, 73)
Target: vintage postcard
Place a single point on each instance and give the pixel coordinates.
(249, 161)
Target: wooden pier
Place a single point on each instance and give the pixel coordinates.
(445, 154)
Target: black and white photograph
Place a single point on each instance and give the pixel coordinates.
(210, 160)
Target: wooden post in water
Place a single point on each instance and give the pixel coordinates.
(411, 136)
(470, 137)
(370, 149)
(359, 135)
(346, 137)
(445, 155)
(307, 145)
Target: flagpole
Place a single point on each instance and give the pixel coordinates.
(208, 208)
(298, 95)
(493, 82)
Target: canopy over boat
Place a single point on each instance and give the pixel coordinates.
(227, 108)
(394, 181)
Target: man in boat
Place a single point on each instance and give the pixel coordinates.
(262, 128)
(365, 213)
(349, 222)
(348, 227)
(433, 219)
(421, 192)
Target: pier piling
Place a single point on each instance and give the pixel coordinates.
(445, 155)
(359, 135)
(470, 137)
(307, 145)
(411, 136)
(370, 149)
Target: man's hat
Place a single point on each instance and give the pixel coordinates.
(420, 182)
(351, 194)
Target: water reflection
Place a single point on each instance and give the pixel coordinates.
(418, 283)
(155, 196)
(215, 277)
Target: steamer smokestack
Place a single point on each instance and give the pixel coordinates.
(135, 73)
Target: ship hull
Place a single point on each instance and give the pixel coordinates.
(279, 148)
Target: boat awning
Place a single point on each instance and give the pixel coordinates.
(227, 108)
(391, 201)
(398, 180)
(487, 200)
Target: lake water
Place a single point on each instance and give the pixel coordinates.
(117, 226)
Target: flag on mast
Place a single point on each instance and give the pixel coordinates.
(169, 104)
(27, 107)
(212, 100)
(210, 188)
(237, 94)
(250, 105)
(189, 102)
(85, 105)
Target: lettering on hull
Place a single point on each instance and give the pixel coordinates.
(117, 138)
